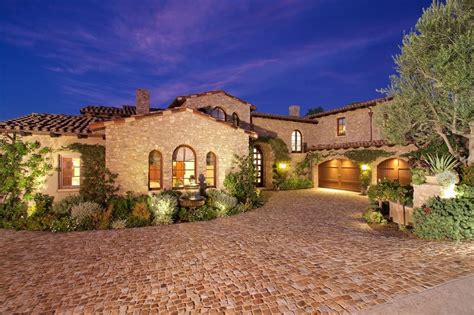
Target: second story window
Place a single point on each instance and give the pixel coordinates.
(235, 119)
(341, 126)
(218, 113)
(296, 141)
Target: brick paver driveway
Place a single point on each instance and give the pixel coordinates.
(305, 251)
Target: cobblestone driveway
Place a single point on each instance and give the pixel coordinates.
(305, 251)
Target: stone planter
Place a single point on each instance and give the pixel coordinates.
(401, 214)
(421, 193)
(431, 180)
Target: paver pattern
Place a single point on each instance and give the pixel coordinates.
(304, 251)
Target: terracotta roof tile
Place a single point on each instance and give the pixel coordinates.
(109, 111)
(285, 117)
(351, 145)
(179, 100)
(50, 123)
(352, 106)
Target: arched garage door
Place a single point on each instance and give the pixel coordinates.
(339, 174)
(395, 169)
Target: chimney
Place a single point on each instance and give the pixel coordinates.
(142, 102)
(294, 110)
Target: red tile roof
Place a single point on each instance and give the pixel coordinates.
(109, 111)
(179, 100)
(50, 124)
(352, 106)
(284, 117)
(351, 145)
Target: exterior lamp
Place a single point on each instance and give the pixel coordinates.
(364, 167)
(282, 166)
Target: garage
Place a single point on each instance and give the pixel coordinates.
(395, 169)
(339, 174)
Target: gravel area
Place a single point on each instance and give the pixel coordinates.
(304, 251)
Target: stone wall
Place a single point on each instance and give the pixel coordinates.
(421, 193)
(471, 144)
(358, 124)
(283, 129)
(227, 103)
(57, 144)
(129, 143)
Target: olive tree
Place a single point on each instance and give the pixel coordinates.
(433, 90)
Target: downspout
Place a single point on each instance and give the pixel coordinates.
(371, 113)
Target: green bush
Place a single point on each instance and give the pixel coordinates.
(203, 213)
(296, 183)
(384, 190)
(221, 201)
(240, 182)
(64, 206)
(239, 208)
(86, 214)
(163, 206)
(64, 224)
(43, 204)
(418, 176)
(445, 219)
(465, 191)
(140, 215)
(372, 216)
(122, 206)
(467, 175)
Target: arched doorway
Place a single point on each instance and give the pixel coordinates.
(339, 174)
(395, 169)
(258, 164)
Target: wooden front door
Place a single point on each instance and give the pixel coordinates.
(395, 169)
(339, 174)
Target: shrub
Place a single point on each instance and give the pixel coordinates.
(447, 178)
(441, 162)
(203, 213)
(85, 214)
(445, 219)
(239, 208)
(222, 202)
(119, 224)
(64, 206)
(240, 182)
(64, 224)
(103, 218)
(140, 215)
(465, 191)
(296, 183)
(43, 204)
(121, 206)
(385, 190)
(467, 175)
(372, 216)
(418, 176)
(163, 206)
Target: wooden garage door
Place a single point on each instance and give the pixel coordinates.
(395, 169)
(339, 174)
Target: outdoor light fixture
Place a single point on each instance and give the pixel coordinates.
(364, 167)
(282, 166)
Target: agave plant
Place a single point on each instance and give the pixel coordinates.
(440, 163)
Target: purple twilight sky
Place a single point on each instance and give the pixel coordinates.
(57, 56)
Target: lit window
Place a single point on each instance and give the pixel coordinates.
(296, 141)
(258, 165)
(235, 119)
(70, 172)
(211, 170)
(154, 170)
(341, 126)
(218, 113)
(184, 167)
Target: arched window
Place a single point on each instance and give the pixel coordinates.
(235, 119)
(296, 141)
(218, 113)
(155, 163)
(211, 169)
(184, 167)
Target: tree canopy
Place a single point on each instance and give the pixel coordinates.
(433, 90)
(314, 110)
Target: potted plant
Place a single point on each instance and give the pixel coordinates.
(442, 169)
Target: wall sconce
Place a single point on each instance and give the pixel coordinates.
(365, 167)
(282, 166)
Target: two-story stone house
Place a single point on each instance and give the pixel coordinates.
(196, 138)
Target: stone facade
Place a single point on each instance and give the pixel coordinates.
(228, 104)
(360, 126)
(129, 143)
(283, 128)
(58, 144)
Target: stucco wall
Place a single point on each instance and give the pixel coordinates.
(57, 144)
(228, 104)
(283, 129)
(129, 144)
